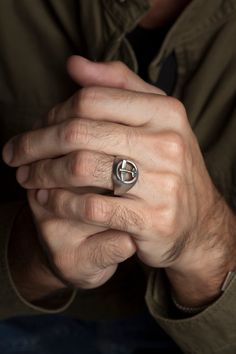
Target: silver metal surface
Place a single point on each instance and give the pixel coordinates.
(124, 175)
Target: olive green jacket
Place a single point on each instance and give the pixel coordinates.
(36, 38)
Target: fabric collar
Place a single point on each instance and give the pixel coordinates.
(198, 14)
(126, 13)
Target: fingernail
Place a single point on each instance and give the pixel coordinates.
(23, 174)
(8, 152)
(42, 196)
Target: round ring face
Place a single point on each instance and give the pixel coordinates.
(124, 175)
(126, 172)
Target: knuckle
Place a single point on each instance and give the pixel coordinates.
(95, 209)
(176, 105)
(80, 166)
(82, 98)
(26, 146)
(131, 136)
(176, 146)
(57, 202)
(169, 144)
(37, 173)
(122, 73)
(74, 132)
(178, 109)
(173, 185)
(69, 133)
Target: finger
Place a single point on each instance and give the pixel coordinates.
(111, 74)
(110, 212)
(38, 211)
(99, 255)
(108, 248)
(77, 169)
(66, 137)
(54, 228)
(84, 134)
(91, 74)
(89, 169)
(115, 105)
(31, 146)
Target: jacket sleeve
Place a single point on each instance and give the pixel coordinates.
(211, 331)
(11, 302)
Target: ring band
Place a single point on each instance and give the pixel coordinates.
(124, 175)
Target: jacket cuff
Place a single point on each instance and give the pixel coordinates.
(211, 331)
(12, 303)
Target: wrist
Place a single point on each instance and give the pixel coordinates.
(197, 279)
(196, 289)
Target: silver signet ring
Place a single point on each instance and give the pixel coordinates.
(124, 175)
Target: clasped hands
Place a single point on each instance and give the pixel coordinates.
(66, 166)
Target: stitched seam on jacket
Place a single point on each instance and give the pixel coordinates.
(217, 19)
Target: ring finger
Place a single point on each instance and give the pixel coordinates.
(77, 169)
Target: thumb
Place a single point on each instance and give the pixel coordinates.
(100, 254)
(111, 74)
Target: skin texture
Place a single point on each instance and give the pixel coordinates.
(172, 218)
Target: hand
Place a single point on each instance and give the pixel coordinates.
(78, 150)
(171, 209)
(81, 255)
